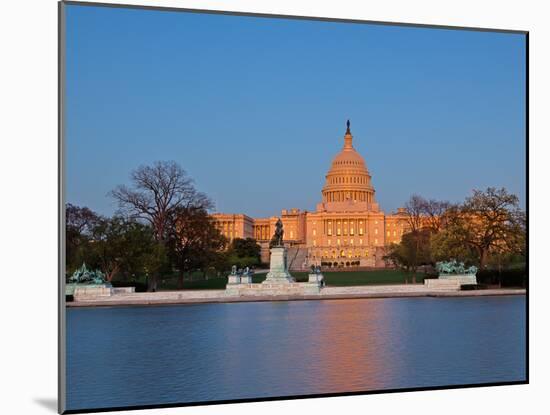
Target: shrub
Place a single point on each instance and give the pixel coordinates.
(430, 275)
(516, 277)
(141, 287)
(469, 287)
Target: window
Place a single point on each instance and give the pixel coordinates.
(329, 241)
(314, 232)
(376, 231)
(360, 231)
(360, 242)
(338, 242)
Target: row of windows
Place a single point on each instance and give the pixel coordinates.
(341, 254)
(345, 242)
(345, 221)
(347, 162)
(354, 179)
(345, 196)
(345, 232)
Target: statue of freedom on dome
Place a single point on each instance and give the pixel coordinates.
(277, 239)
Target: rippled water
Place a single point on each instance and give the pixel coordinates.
(127, 356)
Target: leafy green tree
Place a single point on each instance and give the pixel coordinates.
(445, 246)
(244, 252)
(246, 247)
(487, 222)
(194, 241)
(412, 251)
(122, 247)
(155, 262)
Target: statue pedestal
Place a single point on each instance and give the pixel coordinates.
(449, 282)
(234, 279)
(315, 278)
(461, 278)
(278, 267)
(83, 292)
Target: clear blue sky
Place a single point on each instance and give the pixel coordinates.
(254, 109)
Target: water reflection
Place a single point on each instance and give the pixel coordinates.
(151, 355)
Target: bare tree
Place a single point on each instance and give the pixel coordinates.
(415, 217)
(156, 191)
(415, 212)
(434, 213)
(80, 223)
(80, 220)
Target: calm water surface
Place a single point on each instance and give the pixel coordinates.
(154, 355)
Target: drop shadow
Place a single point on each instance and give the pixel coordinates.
(48, 403)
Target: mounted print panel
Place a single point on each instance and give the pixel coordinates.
(266, 207)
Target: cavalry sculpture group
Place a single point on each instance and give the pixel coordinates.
(83, 275)
(454, 268)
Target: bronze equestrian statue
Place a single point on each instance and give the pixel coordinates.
(277, 239)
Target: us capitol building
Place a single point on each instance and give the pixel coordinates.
(347, 227)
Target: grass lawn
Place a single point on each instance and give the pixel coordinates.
(336, 278)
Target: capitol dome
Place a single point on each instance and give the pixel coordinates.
(348, 181)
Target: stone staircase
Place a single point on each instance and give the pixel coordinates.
(297, 258)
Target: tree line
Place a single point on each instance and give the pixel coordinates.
(488, 230)
(162, 226)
